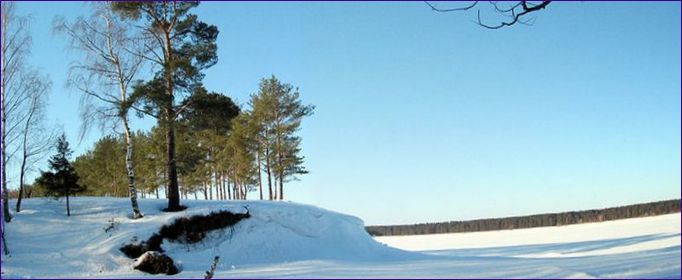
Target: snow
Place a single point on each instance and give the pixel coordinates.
(649, 233)
(290, 240)
(148, 254)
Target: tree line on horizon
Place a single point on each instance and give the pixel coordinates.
(540, 220)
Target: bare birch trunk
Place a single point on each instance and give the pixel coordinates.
(129, 167)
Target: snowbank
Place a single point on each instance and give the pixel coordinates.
(277, 232)
(289, 240)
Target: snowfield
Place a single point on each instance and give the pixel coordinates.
(289, 240)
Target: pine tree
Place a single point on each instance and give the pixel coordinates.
(207, 118)
(103, 168)
(242, 152)
(277, 114)
(261, 122)
(62, 180)
(181, 46)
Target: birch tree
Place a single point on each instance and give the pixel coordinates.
(35, 138)
(104, 74)
(15, 89)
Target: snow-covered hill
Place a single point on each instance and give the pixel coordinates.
(283, 239)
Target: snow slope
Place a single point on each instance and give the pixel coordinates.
(290, 240)
(277, 232)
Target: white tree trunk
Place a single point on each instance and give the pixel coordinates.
(131, 173)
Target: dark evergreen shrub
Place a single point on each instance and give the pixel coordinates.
(193, 229)
(185, 230)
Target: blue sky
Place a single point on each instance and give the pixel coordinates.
(428, 117)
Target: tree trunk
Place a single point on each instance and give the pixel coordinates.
(112, 185)
(280, 174)
(157, 192)
(210, 190)
(205, 191)
(276, 189)
(281, 185)
(5, 199)
(234, 190)
(267, 171)
(278, 154)
(68, 210)
(220, 184)
(238, 185)
(24, 158)
(226, 189)
(5, 207)
(131, 173)
(4, 241)
(229, 191)
(173, 190)
(260, 180)
(22, 172)
(235, 187)
(215, 183)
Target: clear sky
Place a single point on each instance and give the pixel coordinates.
(428, 117)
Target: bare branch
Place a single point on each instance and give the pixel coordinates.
(434, 8)
(97, 96)
(516, 18)
(112, 57)
(503, 11)
(515, 12)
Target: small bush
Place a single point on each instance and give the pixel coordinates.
(112, 226)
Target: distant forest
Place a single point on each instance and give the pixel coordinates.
(541, 220)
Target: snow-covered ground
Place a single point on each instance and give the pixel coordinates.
(579, 240)
(291, 240)
(631, 248)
